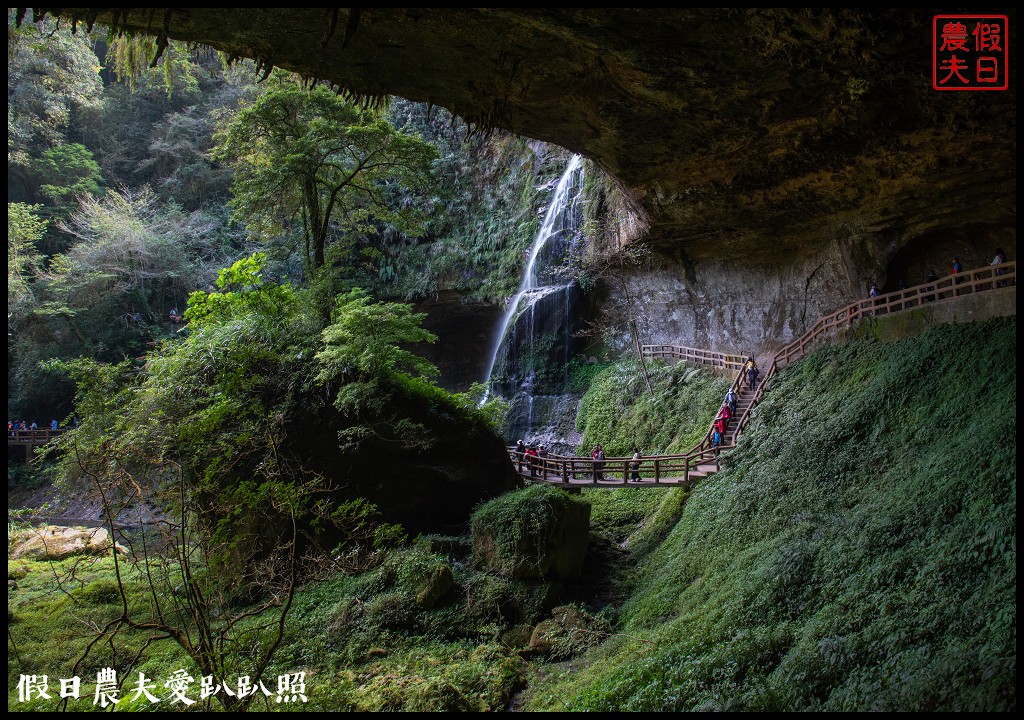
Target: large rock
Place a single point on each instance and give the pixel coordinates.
(424, 462)
(52, 542)
(536, 533)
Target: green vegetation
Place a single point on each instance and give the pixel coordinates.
(309, 164)
(618, 413)
(859, 552)
(133, 184)
(871, 564)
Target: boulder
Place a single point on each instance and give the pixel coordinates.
(536, 533)
(53, 542)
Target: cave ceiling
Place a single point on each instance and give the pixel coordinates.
(735, 130)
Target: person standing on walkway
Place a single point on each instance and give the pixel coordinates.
(721, 424)
(730, 400)
(598, 457)
(751, 377)
(999, 259)
(956, 271)
(932, 277)
(635, 465)
(531, 459)
(542, 458)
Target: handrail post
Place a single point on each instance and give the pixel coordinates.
(657, 471)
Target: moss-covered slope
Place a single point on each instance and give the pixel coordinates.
(859, 553)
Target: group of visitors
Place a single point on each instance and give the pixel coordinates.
(15, 426)
(956, 268)
(725, 414)
(535, 457)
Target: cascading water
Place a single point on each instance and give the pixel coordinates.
(533, 344)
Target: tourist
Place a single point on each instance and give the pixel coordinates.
(33, 426)
(999, 259)
(597, 455)
(542, 455)
(635, 465)
(730, 400)
(956, 270)
(873, 292)
(531, 459)
(721, 424)
(751, 377)
(53, 424)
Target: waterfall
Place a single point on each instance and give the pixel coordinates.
(533, 342)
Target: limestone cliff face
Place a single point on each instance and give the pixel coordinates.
(756, 303)
(779, 158)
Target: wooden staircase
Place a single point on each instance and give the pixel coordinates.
(702, 460)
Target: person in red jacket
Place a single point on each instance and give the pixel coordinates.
(531, 460)
(721, 424)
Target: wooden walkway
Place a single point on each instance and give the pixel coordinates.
(33, 437)
(703, 459)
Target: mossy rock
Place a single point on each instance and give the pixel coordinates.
(535, 533)
(438, 587)
(569, 631)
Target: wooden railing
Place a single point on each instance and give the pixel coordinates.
(661, 469)
(33, 437)
(694, 356)
(698, 356)
(991, 277)
(702, 459)
(950, 287)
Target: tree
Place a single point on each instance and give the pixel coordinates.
(108, 295)
(63, 174)
(202, 434)
(47, 82)
(368, 337)
(24, 229)
(312, 165)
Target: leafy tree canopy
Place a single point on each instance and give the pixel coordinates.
(311, 165)
(65, 173)
(369, 337)
(50, 74)
(24, 229)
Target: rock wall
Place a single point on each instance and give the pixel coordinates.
(756, 303)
